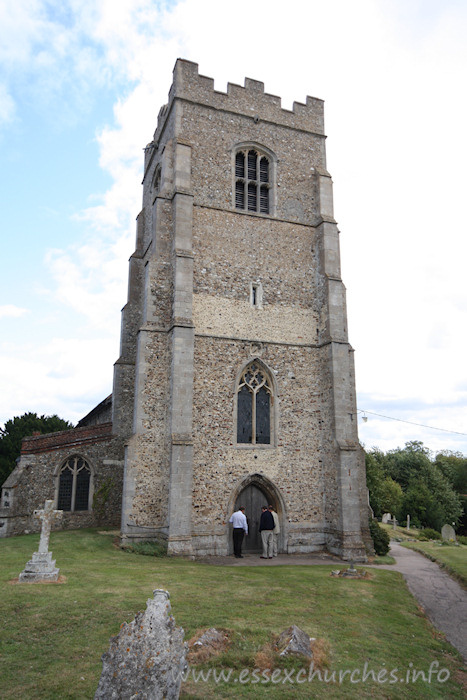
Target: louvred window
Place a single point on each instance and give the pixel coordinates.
(252, 181)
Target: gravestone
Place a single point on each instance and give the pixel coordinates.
(386, 518)
(448, 533)
(351, 571)
(408, 522)
(294, 641)
(41, 567)
(147, 657)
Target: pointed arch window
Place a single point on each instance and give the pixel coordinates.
(254, 406)
(252, 181)
(74, 485)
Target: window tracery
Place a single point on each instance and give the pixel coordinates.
(254, 405)
(74, 485)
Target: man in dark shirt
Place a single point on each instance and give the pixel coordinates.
(266, 526)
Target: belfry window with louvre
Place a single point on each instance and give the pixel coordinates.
(74, 485)
(254, 404)
(252, 181)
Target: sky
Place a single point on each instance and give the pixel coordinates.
(81, 84)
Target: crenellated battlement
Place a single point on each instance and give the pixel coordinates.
(250, 100)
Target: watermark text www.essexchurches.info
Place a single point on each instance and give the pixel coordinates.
(383, 675)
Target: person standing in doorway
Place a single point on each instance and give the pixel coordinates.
(275, 532)
(266, 527)
(240, 528)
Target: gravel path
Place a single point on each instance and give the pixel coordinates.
(442, 598)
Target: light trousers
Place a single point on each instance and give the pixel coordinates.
(267, 539)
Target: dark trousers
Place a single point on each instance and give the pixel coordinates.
(238, 533)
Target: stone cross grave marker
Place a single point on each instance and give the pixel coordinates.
(41, 567)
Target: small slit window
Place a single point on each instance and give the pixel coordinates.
(252, 181)
(156, 180)
(256, 295)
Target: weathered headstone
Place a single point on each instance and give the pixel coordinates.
(386, 518)
(42, 567)
(147, 657)
(294, 640)
(448, 533)
(408, 522)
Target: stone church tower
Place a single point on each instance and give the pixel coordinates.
(235, 383)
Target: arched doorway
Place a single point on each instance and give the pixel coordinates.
(257, 491)
(253, 498)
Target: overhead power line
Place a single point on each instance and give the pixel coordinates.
(400, 420)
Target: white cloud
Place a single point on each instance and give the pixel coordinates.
(7, 106)
(12, 311)
(22, 19)
(66, 376)
(395, 112)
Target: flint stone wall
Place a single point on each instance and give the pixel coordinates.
(35, 478)
(201, 255)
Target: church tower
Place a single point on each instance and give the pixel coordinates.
(235, 383)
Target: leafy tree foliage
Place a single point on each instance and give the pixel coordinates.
(374, 478)
(391, 495)
(408, 482)
(453, 466)
(386, 495)
(403, 465)
(19, 427)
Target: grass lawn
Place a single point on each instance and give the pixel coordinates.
(452, 557)
(53, 635)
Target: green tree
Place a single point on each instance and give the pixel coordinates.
(403, 465)
(408, 482)
(375, 476)
(419, 504)
(391, 496)
(15, 429)
(453, 466)
(431, 499)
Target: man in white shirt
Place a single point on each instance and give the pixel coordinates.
(240, 528)
(275, 532)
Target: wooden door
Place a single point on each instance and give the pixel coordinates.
(253, 499)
